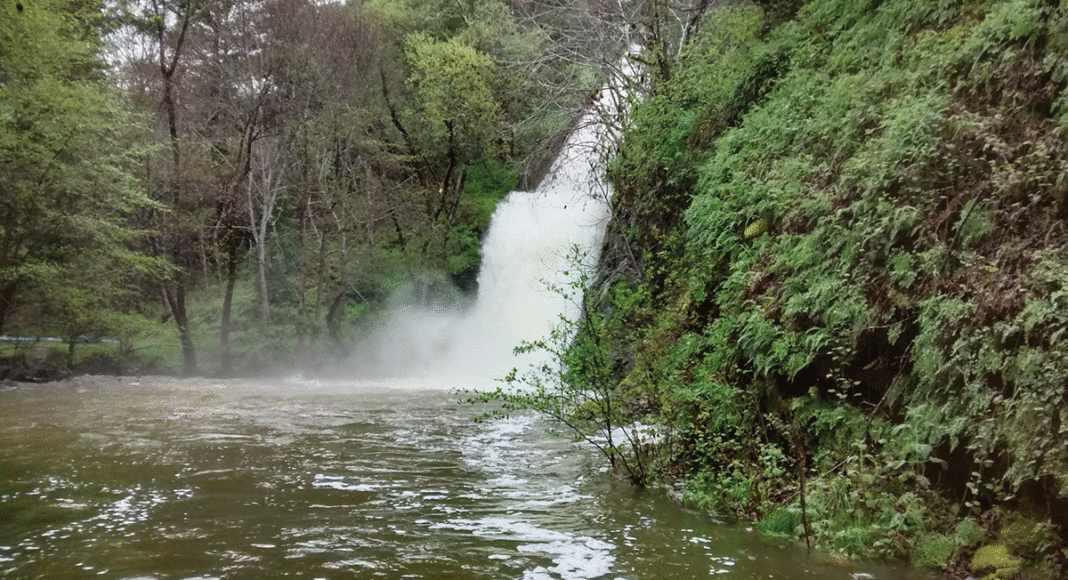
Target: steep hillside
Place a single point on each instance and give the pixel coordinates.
(842, 234)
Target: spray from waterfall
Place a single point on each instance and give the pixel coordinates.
(531, 235)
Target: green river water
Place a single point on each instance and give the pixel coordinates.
(151, 478)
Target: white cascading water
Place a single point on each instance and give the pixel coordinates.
(530, 238)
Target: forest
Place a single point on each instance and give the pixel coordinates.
(221, 186)
(835, 284)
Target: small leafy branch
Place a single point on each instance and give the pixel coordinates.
(574, 383)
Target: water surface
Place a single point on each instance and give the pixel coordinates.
(159, 478)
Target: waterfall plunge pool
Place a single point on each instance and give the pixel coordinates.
(157, 478)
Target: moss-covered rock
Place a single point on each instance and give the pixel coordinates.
(995, 562)
(1026, 537)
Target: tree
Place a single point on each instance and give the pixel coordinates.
(240, 98)
(335, 176)
(69, 153)
(454, 108)
(303, 143)
(173, 225)
(228, 60)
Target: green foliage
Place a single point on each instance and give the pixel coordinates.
(933, 551)
(1007, 23)
(451, 85)
(511, 94)
(654, 170)
(957, 364)
(937, 550)
(1027, 537)
(69, 156)
(995, 562)
(475, 20)
(782, 522)
(487, 183)
(720, 491)
(871, 257)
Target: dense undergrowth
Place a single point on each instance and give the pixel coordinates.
(849, 225)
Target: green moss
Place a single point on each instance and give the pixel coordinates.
(756, 228)
(995, 562)
(1027, 537)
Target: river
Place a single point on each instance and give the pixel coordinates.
(156, 478)
(384, 476)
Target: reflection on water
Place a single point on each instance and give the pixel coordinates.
(159, 478)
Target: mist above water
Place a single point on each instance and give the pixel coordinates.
(527, 248)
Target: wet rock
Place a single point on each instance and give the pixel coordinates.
(19, 372)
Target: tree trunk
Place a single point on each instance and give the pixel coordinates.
(70, 352)
(189, 353)
(320, 282)
(394, 117)
(333, 316)
(446, 185)
(176, 298)
(457, 195)
(226, 356)
(260, 235)
(7, 301)
(261, 281)
(661, 50)
(694, 23)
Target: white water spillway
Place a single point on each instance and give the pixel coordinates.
(531, 242)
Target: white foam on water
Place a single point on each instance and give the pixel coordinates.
(574, 556)
(321, 481)
(574, 560)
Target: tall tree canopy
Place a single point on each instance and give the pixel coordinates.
(67, 173)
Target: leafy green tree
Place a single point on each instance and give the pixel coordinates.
(456, 109)
(68, 157)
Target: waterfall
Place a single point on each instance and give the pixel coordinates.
(530, 237)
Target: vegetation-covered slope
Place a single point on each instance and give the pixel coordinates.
(846, 224)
